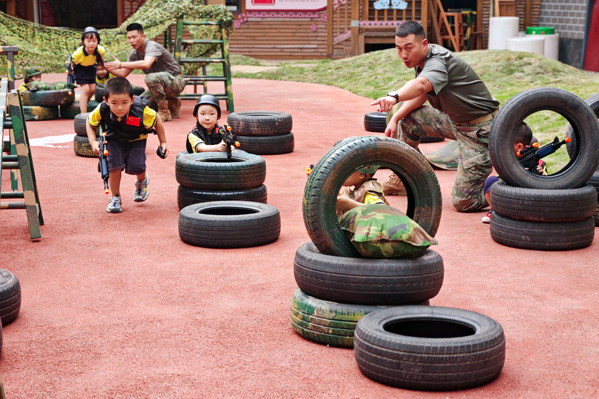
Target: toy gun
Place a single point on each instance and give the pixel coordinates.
(228, 138)
(70, 73)
(309, 169)
(530, 156)
(103, 161)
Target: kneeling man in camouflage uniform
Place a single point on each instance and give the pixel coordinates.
(461, 108)
(163, 74)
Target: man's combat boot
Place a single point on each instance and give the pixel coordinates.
(174, 106)
(393, 186)
(163, 111)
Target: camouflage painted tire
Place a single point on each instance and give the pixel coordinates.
(213, 171)
(542, 236)
(429, 348)
(368, 281)
(37, 113)
(229, 224)
(80, 122)
(48, 98)
(267, 145)
(585, 128)
(566, 205)
(10, 297)
(322, 187)
(72, 110)
(260, 123)
(375, 122)
(82, 147)
(594, 181)
(190, 196)
(326, 322)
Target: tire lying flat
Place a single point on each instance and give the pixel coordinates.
(544, 236)
(566, 205)
(189, 196)
(260, 123)
(327, 176)
(429, 348)
(82, 147)
(229, 224)
(38, 113)
(368, 281)
(10, 297)
(267, 145)
(48, 98)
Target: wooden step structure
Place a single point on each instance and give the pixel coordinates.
(202, 79)
(16, 156)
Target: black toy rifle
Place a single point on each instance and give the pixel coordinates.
(103, 161)
(228, 137)
(70, 73)
(530, 156)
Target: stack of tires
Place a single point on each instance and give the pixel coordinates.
(44, 104)
(72, 110)
(81, 144)
(263, 132)
(336, 286)
(223, 200)
(10, 300)
(348, 301)
(553, 212)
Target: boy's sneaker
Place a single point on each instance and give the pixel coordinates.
(487, 217)
(114, 206)
(141, 190)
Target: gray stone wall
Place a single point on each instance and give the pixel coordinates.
(568, 17)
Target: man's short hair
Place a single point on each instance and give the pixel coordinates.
(135, 26)
(118, 86)
(410, 27)
(523, 134)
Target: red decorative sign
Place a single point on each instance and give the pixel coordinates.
(264, 2)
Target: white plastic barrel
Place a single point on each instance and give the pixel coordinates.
(530, 43)
(551, 46)
(501, 29)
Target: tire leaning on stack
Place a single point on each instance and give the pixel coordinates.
(263, 132)
(553, 212)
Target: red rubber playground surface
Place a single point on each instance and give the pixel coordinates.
(117, 306)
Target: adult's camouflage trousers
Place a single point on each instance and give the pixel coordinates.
(474, 163)
(163, 86)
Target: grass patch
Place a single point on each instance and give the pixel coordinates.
(506, 73)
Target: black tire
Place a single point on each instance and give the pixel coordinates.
(585, 128)
(429, 348)
(80, 122)
(375, 122)
(190, 196)
(229, 224)
(10, 297)
(368, 281)
(326, 322)
(48, 98)
(72, 110)
(214, 171)
(543, 236)
(567, 205)
(267, 145)
(327, 176)
(593, 102)
(260, 123)
(594, 181)
(37, 113)
(82, 147)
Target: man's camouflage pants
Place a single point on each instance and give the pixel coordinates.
(474, 163)
(163, 89)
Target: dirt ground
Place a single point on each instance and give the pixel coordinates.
(117, 306)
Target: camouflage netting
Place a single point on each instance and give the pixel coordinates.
(47, 47)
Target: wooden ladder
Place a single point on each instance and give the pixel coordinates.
(18, 157)
(204, 78)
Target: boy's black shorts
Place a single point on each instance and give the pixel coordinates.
(127, 155)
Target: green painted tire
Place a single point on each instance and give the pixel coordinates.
(38, 113)
(48, 98)
(351, 154)
(326, 322)
(72, 110)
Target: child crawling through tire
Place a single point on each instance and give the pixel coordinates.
(376, 229)
(33, 81)
(522, 139)
(205, 136)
